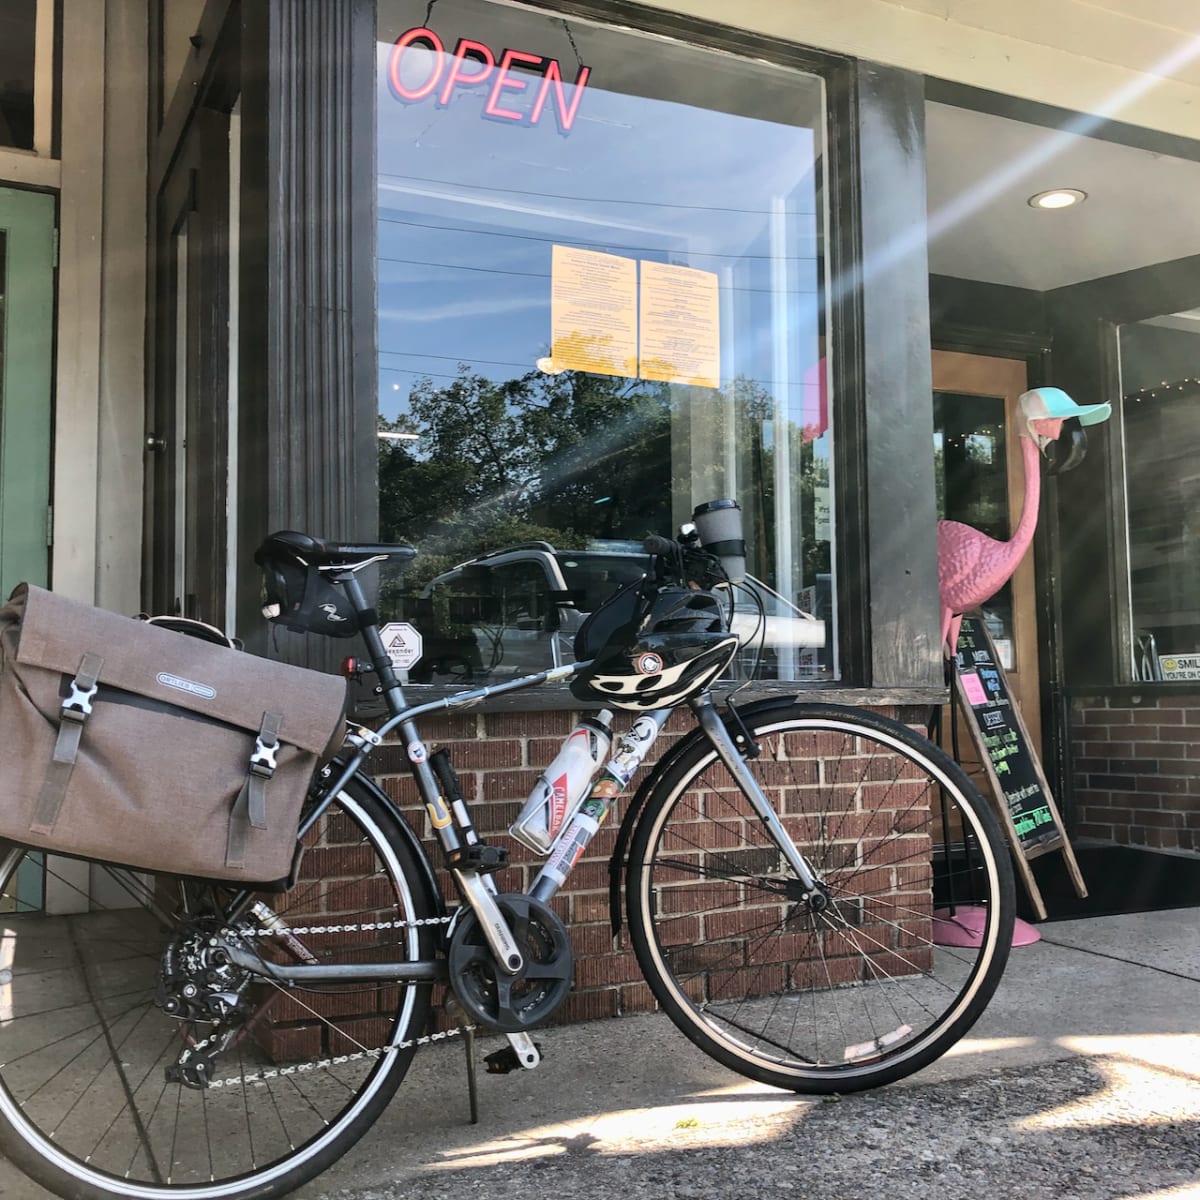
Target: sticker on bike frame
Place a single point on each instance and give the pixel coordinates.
(439, 815)
(570, 847)
(417, 752)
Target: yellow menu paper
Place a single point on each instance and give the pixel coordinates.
(593, 312)
(680, 325)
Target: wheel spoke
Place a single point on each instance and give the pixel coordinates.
(97, 1070)
(847, 988)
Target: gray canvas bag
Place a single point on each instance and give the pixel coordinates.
(138, 745)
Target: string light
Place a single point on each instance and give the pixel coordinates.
(1179, 385)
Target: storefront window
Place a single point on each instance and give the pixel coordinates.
(601, 263)
(17, 57)
(1160, 383)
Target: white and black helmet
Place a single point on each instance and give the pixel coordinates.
(652, 649)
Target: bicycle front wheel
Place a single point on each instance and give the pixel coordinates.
(881, 971)
(137, 1061)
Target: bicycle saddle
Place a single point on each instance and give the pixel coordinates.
(292, 546)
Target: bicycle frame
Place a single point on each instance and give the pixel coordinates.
(451, 819)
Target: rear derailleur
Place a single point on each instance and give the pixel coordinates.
(198, 985)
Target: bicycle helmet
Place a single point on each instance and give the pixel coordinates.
(652, 650)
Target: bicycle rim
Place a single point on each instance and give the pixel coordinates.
(865, 990)
(87, 1102)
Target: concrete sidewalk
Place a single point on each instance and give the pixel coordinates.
(1081, 1081)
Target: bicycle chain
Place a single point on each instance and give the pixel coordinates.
(340, 1059)
(288, 931)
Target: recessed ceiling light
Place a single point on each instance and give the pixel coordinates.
(1057, 198)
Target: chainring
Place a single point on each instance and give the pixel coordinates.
(513, 1003)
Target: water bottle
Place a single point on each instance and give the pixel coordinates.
(565, 783)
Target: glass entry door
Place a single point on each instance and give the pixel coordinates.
(981, 482)
(26, 361)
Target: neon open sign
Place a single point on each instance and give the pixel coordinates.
(514, 93)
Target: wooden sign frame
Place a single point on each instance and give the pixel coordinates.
(967, 666)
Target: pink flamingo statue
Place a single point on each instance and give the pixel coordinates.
(973, 567)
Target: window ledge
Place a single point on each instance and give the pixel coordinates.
(552, 698)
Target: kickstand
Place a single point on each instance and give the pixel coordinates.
(472, 1082)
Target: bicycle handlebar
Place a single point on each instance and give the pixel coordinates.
(684, 562)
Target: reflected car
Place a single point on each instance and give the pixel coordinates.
(516, 611)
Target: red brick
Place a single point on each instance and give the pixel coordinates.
(290, 1044)
(486, 755)
(637, 998)
(590, 940)
(588, 1006)
(530, 724)
(590, 906)
(606, 969)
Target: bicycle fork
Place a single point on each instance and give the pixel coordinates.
(811, 891)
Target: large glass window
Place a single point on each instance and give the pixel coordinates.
(1160, 384)
(601, 302)
(18, 25)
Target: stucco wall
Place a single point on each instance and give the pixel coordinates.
(100, 384)
(1132, 60)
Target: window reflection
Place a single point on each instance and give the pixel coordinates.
(601, 278)
(1160, 384)
(17, 57)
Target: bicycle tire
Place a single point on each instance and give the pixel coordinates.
(83, 1037)
(858, 995)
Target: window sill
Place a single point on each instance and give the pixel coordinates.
(555, 698)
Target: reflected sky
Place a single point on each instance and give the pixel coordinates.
(470, 208)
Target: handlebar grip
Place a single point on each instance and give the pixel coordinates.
(656, 544)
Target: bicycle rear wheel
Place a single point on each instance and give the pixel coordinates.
(98, 1095)
(861, 991)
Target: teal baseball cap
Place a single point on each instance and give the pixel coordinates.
(1054, 404)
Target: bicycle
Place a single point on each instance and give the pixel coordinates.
(785, 865)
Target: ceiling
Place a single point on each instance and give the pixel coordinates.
(1141, 207)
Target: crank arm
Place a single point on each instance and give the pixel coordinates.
(523, 1046)
(491, 920)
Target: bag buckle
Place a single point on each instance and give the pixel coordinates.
(262, 761)
(78, 705)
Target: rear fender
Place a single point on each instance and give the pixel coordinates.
(428, 878)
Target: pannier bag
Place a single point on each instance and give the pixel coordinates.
(133, 744)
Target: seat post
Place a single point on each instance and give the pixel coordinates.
(389, 685)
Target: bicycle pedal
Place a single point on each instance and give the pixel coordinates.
(504, 1060)
(481, 858)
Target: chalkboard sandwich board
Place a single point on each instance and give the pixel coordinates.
(1023, 798)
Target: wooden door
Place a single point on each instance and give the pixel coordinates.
(980, 477)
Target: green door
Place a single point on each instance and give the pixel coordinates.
(26, 361)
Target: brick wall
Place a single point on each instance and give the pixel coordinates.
(498, 757)
(1136, 770)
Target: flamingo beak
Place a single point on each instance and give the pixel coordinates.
(1068, 450)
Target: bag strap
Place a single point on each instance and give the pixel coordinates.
(250, 808)
(76, 709)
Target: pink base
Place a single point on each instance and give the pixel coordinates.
(964, 927)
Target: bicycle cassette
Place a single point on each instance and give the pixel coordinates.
(513, 1003)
